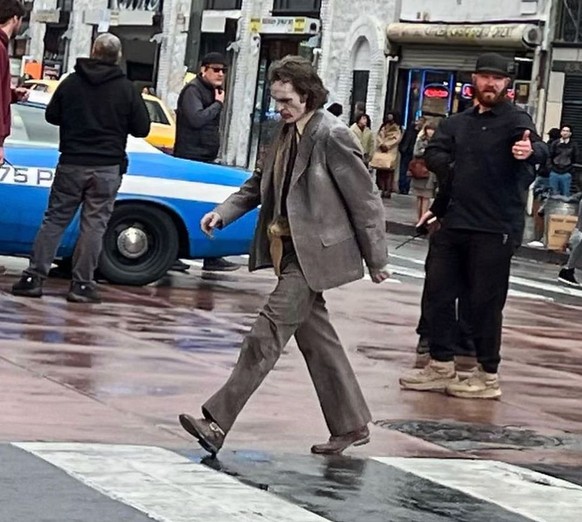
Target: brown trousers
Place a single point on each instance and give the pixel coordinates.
(294, 309)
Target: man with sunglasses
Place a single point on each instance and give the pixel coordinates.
(198, 125)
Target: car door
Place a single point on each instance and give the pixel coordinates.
(31, 154)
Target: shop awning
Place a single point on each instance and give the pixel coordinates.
(513, 36)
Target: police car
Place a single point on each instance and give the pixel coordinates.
(157, 212)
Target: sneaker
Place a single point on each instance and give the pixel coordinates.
(567, 277)
(481, 385)
(83, 293)
(436, 376)
(218, 264)
(209, 434)
(179, 266)
(28, 286)
(465, 366)
(536, 244)
(422, 353)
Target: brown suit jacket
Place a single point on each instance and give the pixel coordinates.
(335, 213)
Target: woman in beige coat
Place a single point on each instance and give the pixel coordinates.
(386, 156)
(365, 136)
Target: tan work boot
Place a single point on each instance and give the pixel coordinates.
(436, 376)
(465, 366)
(480, 385)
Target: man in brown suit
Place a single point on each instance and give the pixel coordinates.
(320, 215)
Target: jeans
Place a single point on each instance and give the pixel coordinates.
(94, 190)
(560, 184)
(404, 180)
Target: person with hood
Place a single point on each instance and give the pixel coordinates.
(96, 108)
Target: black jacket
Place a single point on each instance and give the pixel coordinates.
(482, 183)
(96, 107)
(197, 122)
(563, 156)
(406, 147)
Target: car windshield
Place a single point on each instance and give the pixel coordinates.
(30, 129)
(157, 114)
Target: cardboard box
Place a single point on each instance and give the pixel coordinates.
(559, 229)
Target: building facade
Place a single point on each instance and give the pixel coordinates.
(435, 44)
(563, 102)
(347, 50)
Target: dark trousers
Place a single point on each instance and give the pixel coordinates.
(460, 312)
(482, 262)
(93, 188)
(293, 309)
(404, 179)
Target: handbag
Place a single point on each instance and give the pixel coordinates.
(418, 170)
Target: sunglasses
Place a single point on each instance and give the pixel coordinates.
(218, 69)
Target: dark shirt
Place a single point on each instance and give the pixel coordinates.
(96, 108)
(563, 156)
(482, 182)
(198, 122)
(406, 147)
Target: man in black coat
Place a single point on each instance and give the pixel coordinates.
(95, 108)
(198, 126)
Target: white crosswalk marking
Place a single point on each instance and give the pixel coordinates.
(166, 486)
(533, 495)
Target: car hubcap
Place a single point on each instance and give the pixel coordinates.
(132, 243)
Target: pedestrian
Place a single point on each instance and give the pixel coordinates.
(363, 132)
(481, 157)
(423, 181)
(386, 156)
(406, 149)
(96, 108)
(320, 215)
(200, 106)
(11, 14)
(563, 154)
(568, 273)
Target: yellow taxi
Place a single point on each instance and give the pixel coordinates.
(163, 128)
(48, 86)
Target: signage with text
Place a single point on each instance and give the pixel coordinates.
(135, 5)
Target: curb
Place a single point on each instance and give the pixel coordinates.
(524, 252)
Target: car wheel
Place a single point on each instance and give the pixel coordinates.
(140, 245)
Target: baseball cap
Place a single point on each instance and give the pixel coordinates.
(213, 58)
(496, 64)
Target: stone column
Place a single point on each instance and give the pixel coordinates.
(81, 33)
(37, 30)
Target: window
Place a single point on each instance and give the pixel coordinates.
(569, 21)
(29, 128)
(222, 4)
(297, 7)
(157, 114)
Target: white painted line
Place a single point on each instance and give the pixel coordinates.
(515, 280)
(533, 495)
(166, 486)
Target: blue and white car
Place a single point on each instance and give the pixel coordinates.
(157, 212)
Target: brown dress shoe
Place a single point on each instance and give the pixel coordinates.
(209, 434)
(335, 445)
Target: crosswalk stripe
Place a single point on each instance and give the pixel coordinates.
(530, 494)
(165, 485)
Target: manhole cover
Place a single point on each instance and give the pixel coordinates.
(460, 436)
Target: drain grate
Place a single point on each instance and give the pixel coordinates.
(460, 436)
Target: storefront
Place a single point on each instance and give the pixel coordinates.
(276, 37)
(434, 63)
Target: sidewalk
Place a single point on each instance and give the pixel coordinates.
(401, 219)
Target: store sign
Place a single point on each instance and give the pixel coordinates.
(467, 91)
(135, 5)
(284, 25)
(436, 91)
(493, 35)
(46, 16)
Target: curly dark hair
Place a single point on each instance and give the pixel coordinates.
(302, 75)
(9, 9)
